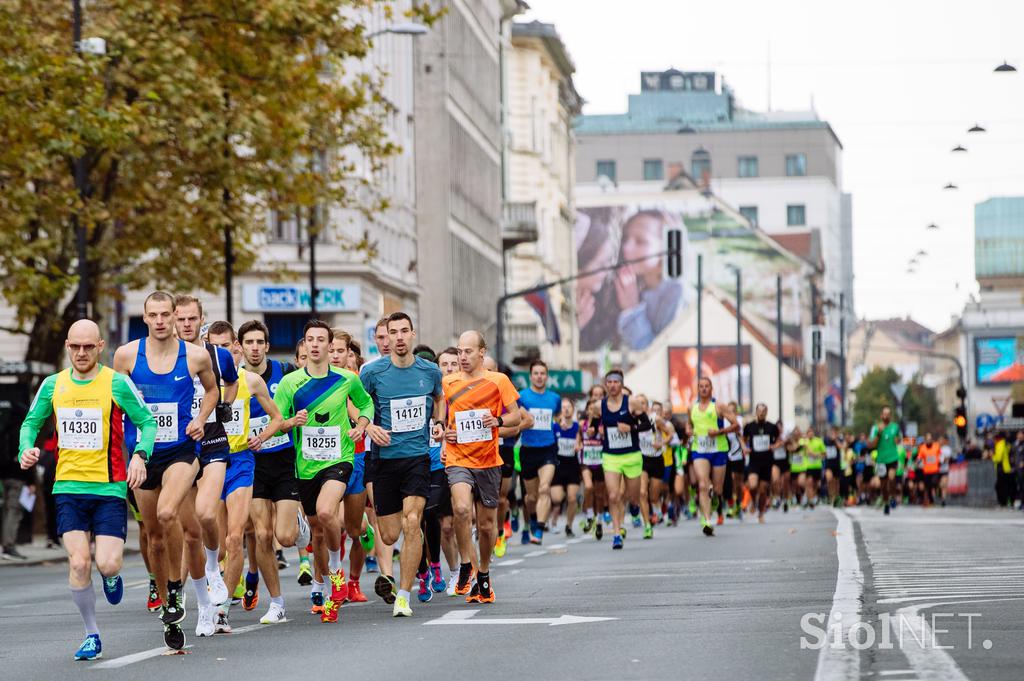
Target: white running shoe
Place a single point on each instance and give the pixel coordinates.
(218, 589)
(453, 582)
(222, 626)
(207, 615)
(303, 538)
(275, 615)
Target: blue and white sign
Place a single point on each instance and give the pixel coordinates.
(295, 298)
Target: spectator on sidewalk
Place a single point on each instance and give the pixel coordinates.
(14, 481)
(1017, 459)
(1005, 482)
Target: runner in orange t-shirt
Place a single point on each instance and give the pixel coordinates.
(928, 455)
(479, 403)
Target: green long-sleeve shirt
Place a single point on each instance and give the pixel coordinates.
(90, 413)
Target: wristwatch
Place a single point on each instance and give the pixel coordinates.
(144, 455)
(501, 422)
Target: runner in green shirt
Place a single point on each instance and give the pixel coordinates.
(314, 402)
(814, 453)
(884, 437)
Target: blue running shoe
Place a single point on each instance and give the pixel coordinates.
(91, 648)
(525, 537)
(425, 593)
(617, 542)
(607, 517)
(515, 522)
(113, 589)
(371, 564)
(636, 521)
(437, 582)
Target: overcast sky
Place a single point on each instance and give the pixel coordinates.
(900, 81)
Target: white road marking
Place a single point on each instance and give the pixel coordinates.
(456, 617)
(897, 672)
(504, 563)
(126, 660)
(930, 662)
(843, 664)
(534, 554)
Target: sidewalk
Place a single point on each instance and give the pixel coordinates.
(38, 554)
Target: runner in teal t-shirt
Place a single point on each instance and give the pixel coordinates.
(884, 437)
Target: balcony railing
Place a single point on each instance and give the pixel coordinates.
(519, 223)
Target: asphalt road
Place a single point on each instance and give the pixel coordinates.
(680, 606)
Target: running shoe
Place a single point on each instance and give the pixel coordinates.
(721, 520)
(425, 592)
(330, 612)
(648, 532)
(174, 637)
(569, 534)
(368, 538)
(436, 579)
(172, 613)
(222, 625)
(706, 526)
(637, 522)
(91, 648)
(207, 616)
(508, 529)
(500, 546)
(587, 525)
(282, 562)
(537, 536)
(479, 595)
(355, 592)
(316, 600)
(465, 582)
(154, 603)
(275, 615)
(524, 537)
(339, 590)
(514, 522)
(886, 509)
(692, 508)
(305, 573)
(216, 586)
(113, 589)
(622, 532)
(598, 531)
(386, 589)
(236, 597)
(371, 565)
(617, 542)
(607, 518)
(402, 608)
(453, 582)
(251, 598)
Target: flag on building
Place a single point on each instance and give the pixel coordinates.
(540, 301)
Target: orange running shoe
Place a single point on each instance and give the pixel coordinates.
(461, 589)
(317, 599)
(355, 593)
(721, 520)
(330, 613)
(482, 592)
(339, 589)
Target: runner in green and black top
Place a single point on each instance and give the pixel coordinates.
(622, 460)
(885, 437)
(314, 403)
(93, 467)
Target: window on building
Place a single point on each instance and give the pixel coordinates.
(748, 166)
(606, 168)
(285, 329)
(796, 215)
(137, 328)
(700, 164)
(654, 169)
(750, 213)
(796, 165)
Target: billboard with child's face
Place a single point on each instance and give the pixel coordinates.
(630, 308)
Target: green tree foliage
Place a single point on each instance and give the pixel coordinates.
(200, 117)
(875, 392)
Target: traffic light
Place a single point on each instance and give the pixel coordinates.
(675, 253)
(960, 421)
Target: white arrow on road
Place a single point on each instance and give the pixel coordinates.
(467, 617)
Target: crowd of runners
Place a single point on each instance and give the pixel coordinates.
(232, 463)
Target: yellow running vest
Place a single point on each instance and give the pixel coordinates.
(238, 429)
(703, 422)
(90, 429)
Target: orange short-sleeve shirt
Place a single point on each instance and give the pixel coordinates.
(492, 392)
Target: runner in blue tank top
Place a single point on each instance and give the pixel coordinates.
(538, 452)
(163, 367)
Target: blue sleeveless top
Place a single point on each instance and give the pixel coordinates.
(272, 377)
(169, 398)
(614, 441)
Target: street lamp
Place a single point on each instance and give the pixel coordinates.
(1005, 68)
(401, 28)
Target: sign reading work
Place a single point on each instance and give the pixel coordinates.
(559, 380)
(295, 298)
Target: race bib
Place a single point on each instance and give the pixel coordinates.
(647, 444)
(541, 419)
(798, 460)
(761, 443)
(236, 425)
(469, 426)
(566, 447)
(779, 454)
(408, 414)
(199, 392)
(619, 440)
(831, 452)
(166, 415)
(706, 444)
(80, 428)
(321, 443)
(592, 455)
(256, 426)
